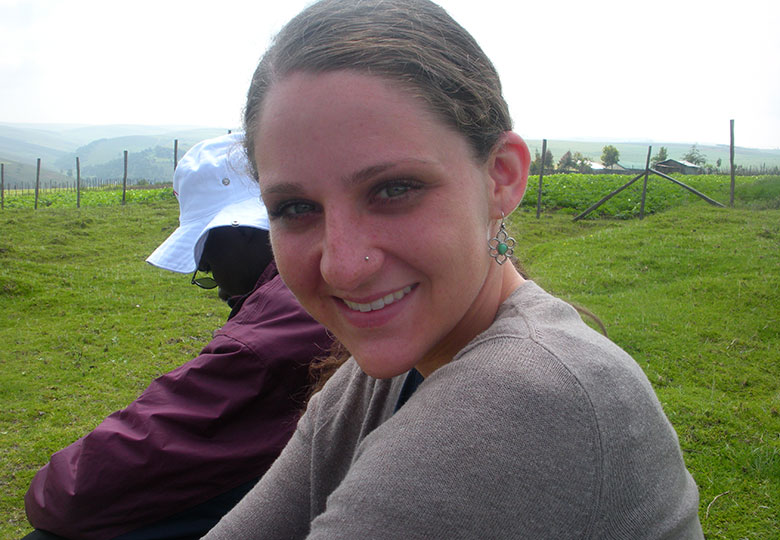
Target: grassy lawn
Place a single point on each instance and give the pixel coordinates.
(691, 291)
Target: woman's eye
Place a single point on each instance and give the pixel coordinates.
(394, 190)
(293, 209)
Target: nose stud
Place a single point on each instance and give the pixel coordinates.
(366, 258)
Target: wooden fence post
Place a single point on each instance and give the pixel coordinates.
(78, 183)
(124, 181)
(731, 152)
(37, 182)
(644, 185)
(2, 186)
(541, 176)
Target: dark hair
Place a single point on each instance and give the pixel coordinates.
(412, 42)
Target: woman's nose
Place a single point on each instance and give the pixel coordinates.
(349, 257)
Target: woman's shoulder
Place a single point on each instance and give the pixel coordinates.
(539, 355)
(536, 332)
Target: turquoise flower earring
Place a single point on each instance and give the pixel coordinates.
(502, 246)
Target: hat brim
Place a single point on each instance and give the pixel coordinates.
(248, 213)
(175, 253)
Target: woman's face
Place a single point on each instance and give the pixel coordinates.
(379, 218)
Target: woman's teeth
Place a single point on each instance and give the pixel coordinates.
(379, 303)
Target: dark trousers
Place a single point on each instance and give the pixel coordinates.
(188, 525)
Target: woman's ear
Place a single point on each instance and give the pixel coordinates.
(508, 168)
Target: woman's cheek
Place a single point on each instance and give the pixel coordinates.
(294, 260)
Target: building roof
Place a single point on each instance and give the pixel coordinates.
(596, 166)
(678, 162)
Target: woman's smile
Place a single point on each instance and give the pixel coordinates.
(379, 315)
(380, 302)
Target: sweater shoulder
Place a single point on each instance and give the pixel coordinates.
(535, 331)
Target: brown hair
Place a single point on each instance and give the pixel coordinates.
(412, 42)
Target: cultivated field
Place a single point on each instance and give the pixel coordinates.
(692, 292)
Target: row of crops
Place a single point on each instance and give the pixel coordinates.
(67, 197)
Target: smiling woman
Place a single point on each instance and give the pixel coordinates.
(379, 176)
(474, 404)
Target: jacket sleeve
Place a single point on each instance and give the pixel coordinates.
(282, 495)
(194, 433)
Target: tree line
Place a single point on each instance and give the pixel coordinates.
(610, 156)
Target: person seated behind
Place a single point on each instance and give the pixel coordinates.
(177, 458)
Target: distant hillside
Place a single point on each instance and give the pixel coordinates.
(21, 175)
(87, 134)
(100, 150)
(104, 151)
(36, 136)
(71, 136)
(152, 164)
(15, 148)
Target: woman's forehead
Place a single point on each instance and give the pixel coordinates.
(335, 94)
(346, 116)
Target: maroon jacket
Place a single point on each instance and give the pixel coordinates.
(206, 427)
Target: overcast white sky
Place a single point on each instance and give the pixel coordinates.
(666, 71)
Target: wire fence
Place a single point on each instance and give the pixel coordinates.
(44, 192)
(102, 193)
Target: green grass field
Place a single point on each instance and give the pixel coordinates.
(692, 292)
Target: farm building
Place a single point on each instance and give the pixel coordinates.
(596, 166)
(677, 166)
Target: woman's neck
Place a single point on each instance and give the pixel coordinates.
(499, 285)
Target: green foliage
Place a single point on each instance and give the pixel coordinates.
(609, 156)
(574, 193)
(695, 156)
(536, 164)
(662, 155)
(567, 162)
(154, 164)
(582, 163)
(66, 198)
(761, 194)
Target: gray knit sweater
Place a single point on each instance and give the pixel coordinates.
(539, 428)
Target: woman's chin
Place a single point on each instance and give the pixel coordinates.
(383, 366)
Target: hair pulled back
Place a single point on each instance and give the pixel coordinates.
(412, 42)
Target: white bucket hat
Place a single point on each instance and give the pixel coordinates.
(214, 189)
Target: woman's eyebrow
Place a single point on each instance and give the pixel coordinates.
(368, 173)
(353, 179)
(282, 188)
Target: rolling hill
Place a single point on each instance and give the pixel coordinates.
(100, 150)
